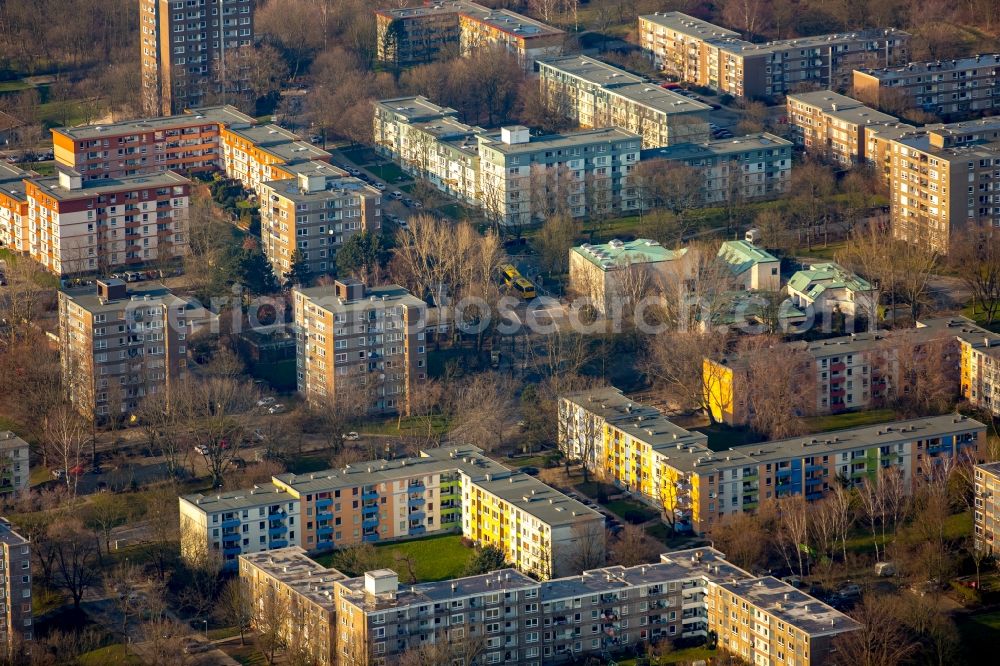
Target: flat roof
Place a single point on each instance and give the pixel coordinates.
(86, 297)
(302, 574)
(415, 108)
(90, 188)
(226, 115)
(326, 297)
(615, 253)
(502, 580)
(791, 605)
(989, 61)
(624, 84)
(9, 441)
(842, 107)
(729, 40)
(336, 186)
(280, 142)
(556, 141)
(12, 181)
(236, 500)
(501, 19)
(9, 536)
(718, 147)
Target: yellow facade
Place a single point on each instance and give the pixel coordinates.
(718, 383)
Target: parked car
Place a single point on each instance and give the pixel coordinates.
(276, 409)
(58, 473)
(202, 449)
(258, 435)
(407, 201)
(263, 402)
(849, 591)
(403, 224)
(315, 138)
(418, 204)
(350, 436)
(396, 194)
(379, 186)
(530, 471)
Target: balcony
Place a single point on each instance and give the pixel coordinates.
(231, 537)
(231, 522)
(325, 530)
(279, 543)
(370, 538)
(417, 515)
(416, 487)
(369, 494)
(232, 550)
(324, 515)
(416, 501)
(369, 523)
(323, 503)
(276, 530)
(369, 509)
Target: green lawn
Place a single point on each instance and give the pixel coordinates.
(408, 425)
(109, 654)
(390, 172)
(39, 475)
(677, 657)
(980, 636)
(14, 86)
(360, 155)
(435, 558)
(639, 512)
(978, 316)
(224, 632)
(526, 461)
(849, 420)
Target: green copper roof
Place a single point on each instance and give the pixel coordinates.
(638, 251)
(820, 277)
(742, 255)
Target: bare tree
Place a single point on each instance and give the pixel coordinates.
(975, 256)
(235, 607)
(877, 642)
(588, 550)
(65, 439)
(76, 554)
(270, 622)
(219, 411)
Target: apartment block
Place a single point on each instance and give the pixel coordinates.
(79, 227)
(187, 143)
(189, 52)
(417, 35)
(943, 179)
(595, 94)
(986, 514)
(600, 272)
(980, 379)
(13, 209)
(302, 593)
(230, 524)
(831, 125)
(430, 142)
(828, 287)
(868, 370)
(753, 268)
(359, 345)
(121, 342)
(641, 451)
(751, 167)
(449, 489)
(15, 466)
(16, 618)
(261, 153)
(949, 89)
(705, 54)
(506, 617)
(524, 179)
(314, 215)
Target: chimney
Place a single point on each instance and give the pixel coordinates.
(111, 289)
(70, 179)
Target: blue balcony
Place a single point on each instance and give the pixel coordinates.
(815, 468)
(369, 509)
(232, 522)
(324, 531)
(370, 522)
(323, 503)
(417, 515)
(232, 550)
(323, 544)
(416, 487)
(229, 538)
(814, 496)
(279, 514)
(279, 543)
(368, 495)
(416, 501)
(784, 472)
(419, 529)
(276, 530)
(367, 538)
(814, 482)
(324, 515)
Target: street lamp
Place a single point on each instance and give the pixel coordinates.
(205, 622)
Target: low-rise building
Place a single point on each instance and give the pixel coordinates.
(525, 179)
(286, 585)
(187, 143)
(705, 54)
(753, 268)
(449, 489)
(751, 167)
(77, 227)
(257, 154)
(226, 525)
(16, 619)
(430, 142)
(986, 514)
(951, 89)
(829, 287)
(416, 35)
(506, 617)
(15, 465)
(120, 343)
(640, 450)
(831, 125)
(595, 94)
(311, 216)
(606, 273)
(359, 348)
